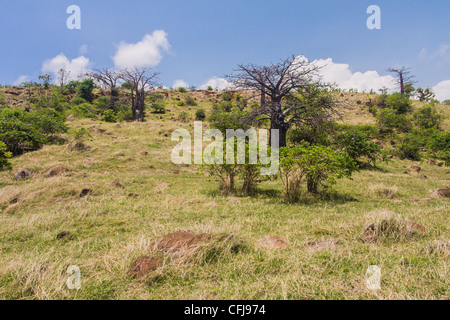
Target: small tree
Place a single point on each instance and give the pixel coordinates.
(108, 79)
(85, 89)
(404, 77)
(425, 95)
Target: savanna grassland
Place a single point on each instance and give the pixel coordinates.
(139, 196)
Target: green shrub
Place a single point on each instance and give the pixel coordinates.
(359, 146)
(388, 121)
(102, 104)
(84, 110)
(109, 116)
(18, 132)
(400, 103)
(227, 96)
(4, 156)
(72, 86)
(85, 89)
(125, 115)
(181, 103)
(446, 102)
(158, 107)
(200, 115)
(76, 101)
(409, 148)
(318, 165)
(427, 117)
(182, 90)
(190, 101)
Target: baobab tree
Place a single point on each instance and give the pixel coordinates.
(404, 77)
(109, 79)
(279, 85)
(138, 80)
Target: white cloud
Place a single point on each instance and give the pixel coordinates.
(442, 52)
(216, 83)
(442, 90)
(180, 84)
(83, 49)
(77, 67)
(344, 78)
(145, 53)
(20, 80)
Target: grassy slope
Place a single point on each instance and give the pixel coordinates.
(110, 229)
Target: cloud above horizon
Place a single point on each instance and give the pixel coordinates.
(216, 83)
(146, 53)
(341, 75)
(442, 90)
(77, 67)
(21, 80)
(180, 84)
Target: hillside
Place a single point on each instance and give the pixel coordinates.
(136, 196)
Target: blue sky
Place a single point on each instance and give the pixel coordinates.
(209, 38)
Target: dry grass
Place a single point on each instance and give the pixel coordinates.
(112, 227)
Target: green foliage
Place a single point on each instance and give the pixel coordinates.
(446, 102)
(200, 115)
(24, 131)
(72, 87)
(227, 96)
(359, 146)
(101, 104)
(319, 165)
(158, 107)
(84, 110)
(109, 116)
(77, 101)
(125, 115)
(222, 120)
(181, 103)
(425, 95)
(409, 148)
(85, 89)
(4, 156)
(427, 117)
(182, 90)
(190, 101)
(388, 121)
(398, 102)
(210, 88)
(183, 116)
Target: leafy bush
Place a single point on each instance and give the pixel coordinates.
(200, 115)
(125, 115)
(182, 90)
(409, 148)
(359, 146)
(76, 101)
(388, 121)
(427, 117)
(85, 89)
(109, 116)
(319, 165)
(398, 102)
(227, 96)
(181, 103)
(72, 86)
(446, 102)
(102, 104)
(84, 110)
(19, 133)
(4, 156)
(158, 107)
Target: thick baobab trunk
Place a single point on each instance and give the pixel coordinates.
(278, 122)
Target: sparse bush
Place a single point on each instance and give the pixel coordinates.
(446, 102)
(227, 96)
(181, 103)
(398, 102)
(109, 116)
(84, 110)
(183, 116)
(182, 90)
(200, 115)
(125, 115)
(190, 101)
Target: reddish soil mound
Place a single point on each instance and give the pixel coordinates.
(273, 242)
(143, 266)
(179, 240)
